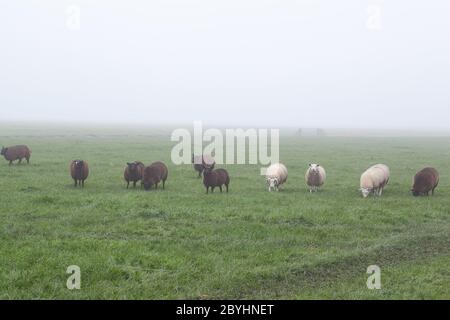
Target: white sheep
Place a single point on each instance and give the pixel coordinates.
(374, 180)
(276, 175)
(315, 177)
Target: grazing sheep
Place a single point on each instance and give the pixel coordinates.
(133, 172)
(276, 175)
(374, 180)
(425, 180)
(215, 178)
(16, 153)
(79, 171)
(315, 177)
(154, 174)
(202, 162)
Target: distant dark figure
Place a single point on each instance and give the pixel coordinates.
(215, 178)
(133, 172)
(16, 153)
(79, 171)
(202, 162)
(425, 180)
(154, 174)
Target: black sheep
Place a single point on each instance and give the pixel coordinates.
(425, 181)
(215, 178)
(154, 174)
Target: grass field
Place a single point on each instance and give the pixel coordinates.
(248, 244)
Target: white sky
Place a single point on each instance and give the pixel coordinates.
(312, 63)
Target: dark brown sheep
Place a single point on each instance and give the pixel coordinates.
(425, 180)
(215, 178)
(79, 170)
(16, 153)
(133, 172)
(202, 162)
(154, 174)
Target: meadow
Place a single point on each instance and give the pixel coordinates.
(180, 243)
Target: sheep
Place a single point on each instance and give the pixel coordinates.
(276, 175)
(16, 153)
(154, 174)
(215, 178)
(315, 177)
(425, 180)
(374, 180)
(79, 170)
(133, 172)
(201, 162)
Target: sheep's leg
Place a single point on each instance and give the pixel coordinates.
(20, 160)
(82, 183)
(10, 162)
(220, 187)
(128, 184)
(212, 189)
(207, 190)
(76, 182)
(164, 184)
(28, 160)
(156, 185)
(134, 184)
(227, 187)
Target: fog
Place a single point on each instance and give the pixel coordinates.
(310, 63)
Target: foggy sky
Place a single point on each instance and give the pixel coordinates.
(310, 63)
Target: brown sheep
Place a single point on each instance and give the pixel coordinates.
(215, 178)
(79, 170)
(133, 172)
(202, 162)
(154, 174)
(425, 181)
(16, 153)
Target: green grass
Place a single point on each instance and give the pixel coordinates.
(248, 244)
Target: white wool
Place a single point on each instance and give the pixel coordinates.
(276, 175)
(374, 179)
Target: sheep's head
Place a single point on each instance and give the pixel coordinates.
(132, 166)
(272, 183)
(3, 151)
(365, 192)
(207, 169)
(208, 162)
(148, 184)
(415, 192)
(79, 164)
(314, 168)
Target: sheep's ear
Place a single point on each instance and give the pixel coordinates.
(128, 163)
(310, 165)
